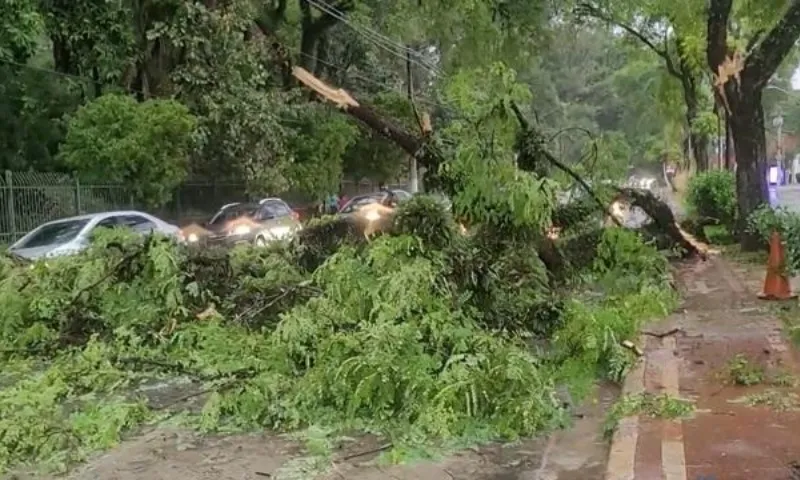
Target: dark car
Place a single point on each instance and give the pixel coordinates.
(384, 197)
(256, 223)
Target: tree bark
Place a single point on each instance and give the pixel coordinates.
(747, 129)
(730, 154)
(699, 140)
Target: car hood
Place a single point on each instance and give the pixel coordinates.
(44, 251)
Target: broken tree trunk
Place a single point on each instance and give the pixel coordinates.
(662, 216)
(410, 143)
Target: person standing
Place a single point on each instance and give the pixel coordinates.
(331, 204)
(343, 199)
(795, 177)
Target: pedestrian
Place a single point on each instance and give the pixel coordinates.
(795, 178)
(332, 203)
(343, 198)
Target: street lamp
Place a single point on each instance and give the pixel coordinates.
(777, 122)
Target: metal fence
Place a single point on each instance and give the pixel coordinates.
(28, 199)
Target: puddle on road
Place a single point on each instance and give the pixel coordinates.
(581, 452)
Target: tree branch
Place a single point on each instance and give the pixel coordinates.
(589, 10)
(409, 142)
(719, 12)
(768, 54)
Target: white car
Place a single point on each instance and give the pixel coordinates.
(71, 235)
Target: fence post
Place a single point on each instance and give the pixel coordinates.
(77, 195)
(11, 217)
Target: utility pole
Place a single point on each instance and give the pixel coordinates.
(413, 180)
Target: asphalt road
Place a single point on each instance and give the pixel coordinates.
(789, 197)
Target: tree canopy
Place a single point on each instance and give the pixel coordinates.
(625, 83)
(228, 63)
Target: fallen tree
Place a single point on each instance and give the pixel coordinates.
(533, 157)
(415, 331)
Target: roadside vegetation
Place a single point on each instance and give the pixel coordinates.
(646, 404)
(713, 216)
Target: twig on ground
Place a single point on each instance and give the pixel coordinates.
(664, 334)
(382, 448)
(632, 347)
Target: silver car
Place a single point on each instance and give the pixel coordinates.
(71, 235)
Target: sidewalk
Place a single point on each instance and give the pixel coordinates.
(736, 432)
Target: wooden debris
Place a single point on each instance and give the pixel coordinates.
(632, 347)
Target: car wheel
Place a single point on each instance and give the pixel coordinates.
(260, 241)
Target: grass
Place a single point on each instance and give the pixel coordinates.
(784, 379)
(775, 399)
(719, 235)
(647, 404)
(743, 372)
(734, 253)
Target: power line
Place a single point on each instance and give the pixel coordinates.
(377, 83)
(377, 38)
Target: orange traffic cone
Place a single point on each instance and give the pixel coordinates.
(776, 285)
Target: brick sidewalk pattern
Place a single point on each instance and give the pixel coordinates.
(726, 438)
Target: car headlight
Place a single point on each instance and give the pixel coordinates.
(241, 230)
(372, 216)
(192, 237)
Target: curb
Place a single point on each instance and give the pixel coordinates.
(622, 453)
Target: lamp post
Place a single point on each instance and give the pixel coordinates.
(777, 122)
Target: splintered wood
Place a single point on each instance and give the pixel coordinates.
(731, 67)
(340, 97)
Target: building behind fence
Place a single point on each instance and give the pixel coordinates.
(28, 199)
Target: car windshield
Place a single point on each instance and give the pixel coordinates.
(235, 211)
(359, 202)
(57, 233)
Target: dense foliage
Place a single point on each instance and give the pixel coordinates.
(251, 123)
(768, 220)
(421, 334)
(145, 145)
(712, 195)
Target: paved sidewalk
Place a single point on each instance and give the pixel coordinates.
(728, 437)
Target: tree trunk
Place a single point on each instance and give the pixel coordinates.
(312, 30)
(747, 129)
(700, 151)
(698, 141)
(729, 153)
(740, 79)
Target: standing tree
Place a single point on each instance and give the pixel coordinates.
(144, 146)
(667, 31)
(740, 76)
